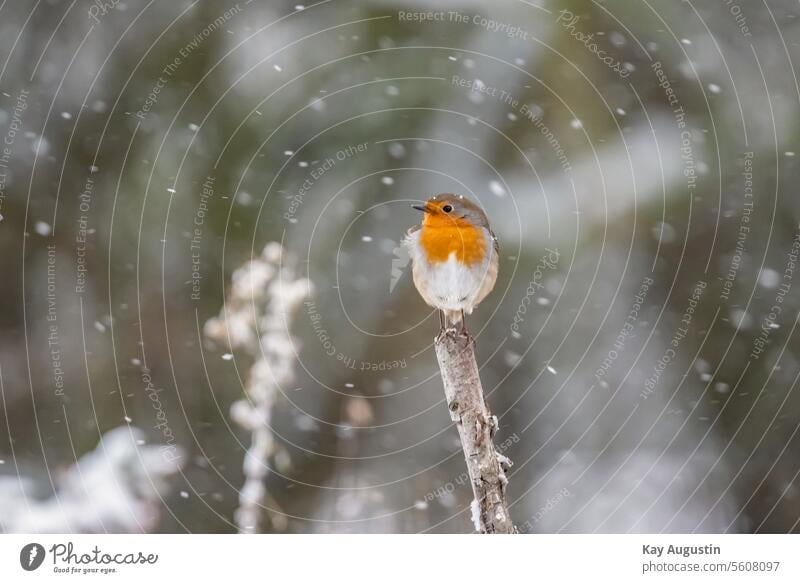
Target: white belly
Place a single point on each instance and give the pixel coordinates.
(449, 285)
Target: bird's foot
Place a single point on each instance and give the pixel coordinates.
(465, 334)
(447, 332)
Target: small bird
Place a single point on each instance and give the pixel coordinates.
(455, 257)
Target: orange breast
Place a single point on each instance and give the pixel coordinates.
(465, 240)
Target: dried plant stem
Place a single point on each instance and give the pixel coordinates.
(476, 427)
(265, 294)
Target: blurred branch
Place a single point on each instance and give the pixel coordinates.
(603, 186)
(476, 426)
(118, 487)
(257, 318)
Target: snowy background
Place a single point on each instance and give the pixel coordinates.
(636, 159)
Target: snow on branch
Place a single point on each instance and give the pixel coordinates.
(118, 488)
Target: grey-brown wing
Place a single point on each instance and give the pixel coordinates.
(496, 242)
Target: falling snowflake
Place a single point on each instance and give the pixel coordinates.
(42, 228)
(497, 188)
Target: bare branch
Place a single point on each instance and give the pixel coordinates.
(476, 427)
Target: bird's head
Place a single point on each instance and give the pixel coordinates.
(451, 210)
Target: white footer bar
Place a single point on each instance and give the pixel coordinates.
(355, 558)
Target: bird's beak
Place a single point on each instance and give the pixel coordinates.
(420, 207)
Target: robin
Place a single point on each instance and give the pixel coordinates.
(455, 257)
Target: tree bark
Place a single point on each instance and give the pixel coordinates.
(476, 427)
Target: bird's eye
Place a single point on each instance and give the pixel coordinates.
(447, 208)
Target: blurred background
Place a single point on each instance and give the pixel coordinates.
(636, 159)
